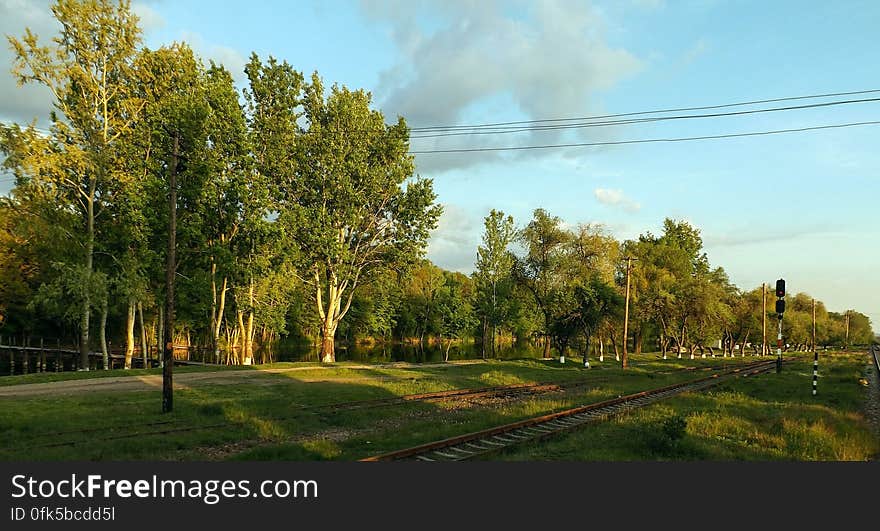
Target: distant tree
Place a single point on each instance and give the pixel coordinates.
(455, 308)
(541, 270)
(493, 273)
(596, 302)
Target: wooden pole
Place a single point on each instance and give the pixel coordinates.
(846, 339)
(170, 268)
(623, 359)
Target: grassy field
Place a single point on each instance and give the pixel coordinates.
(46, 377)
(769, 417)
(772, 417)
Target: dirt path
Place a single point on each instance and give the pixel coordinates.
(185, 380)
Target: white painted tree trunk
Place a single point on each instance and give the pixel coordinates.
(129, 334)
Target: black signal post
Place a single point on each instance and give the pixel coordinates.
(780, 309)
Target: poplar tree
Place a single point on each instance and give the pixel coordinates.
(353, 207)
(493, 275)
(88, 69)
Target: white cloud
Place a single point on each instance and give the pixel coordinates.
(616, 198)
(149, 18)
(542, 59)
(453, 244)
(224, 55)
(23, 104)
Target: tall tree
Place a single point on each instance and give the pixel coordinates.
(542, 268)
(352, 207)
(494, 272)
(88, 69)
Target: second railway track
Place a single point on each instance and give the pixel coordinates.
(468, 446)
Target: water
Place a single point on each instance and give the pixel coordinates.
(408, 352)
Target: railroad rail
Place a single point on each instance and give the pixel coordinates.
(875, 355)
(491, 440)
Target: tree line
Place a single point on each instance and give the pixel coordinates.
(161, 189)
(163, 205)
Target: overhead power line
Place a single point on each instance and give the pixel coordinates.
(638, 113)
(645, 140)
(556, 127)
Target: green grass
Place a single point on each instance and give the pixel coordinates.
(771, 417)
(46, 377)
(262, 418)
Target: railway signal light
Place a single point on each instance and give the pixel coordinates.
(780, 309)
(780, 306)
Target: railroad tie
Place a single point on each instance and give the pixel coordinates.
(448, 456)
(460, 450)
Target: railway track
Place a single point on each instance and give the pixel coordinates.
(494, 439)
(874, 350)
(167, 427)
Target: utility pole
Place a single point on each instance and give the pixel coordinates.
(763, 319)
(846, 338)
(629, 260)
(170, 269)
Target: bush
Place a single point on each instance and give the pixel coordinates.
(666, 438)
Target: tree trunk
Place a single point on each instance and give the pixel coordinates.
(601, 349)
(249, 348)
(144, 348)
(241, 335)
(493, 340)
(218, 306)
(485, 337)
(328, 343)
(90, 251)
(638, 340)
(220, 312)
(446, 354)
(160, 334)
(129, 335)
(105, 353)
(587, 353)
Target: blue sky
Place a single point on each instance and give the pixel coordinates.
(799, 206)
